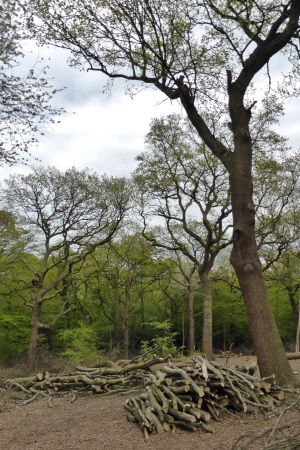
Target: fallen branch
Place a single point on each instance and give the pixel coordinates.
(289, 433)
(291, 356)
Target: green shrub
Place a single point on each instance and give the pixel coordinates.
(80, 344)
(14, 337)
(163, 342)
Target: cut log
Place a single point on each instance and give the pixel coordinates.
(293, 355)
(190, 394)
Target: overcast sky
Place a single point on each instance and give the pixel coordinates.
(105, 132)
(101, 131)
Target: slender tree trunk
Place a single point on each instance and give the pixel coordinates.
(143, 328)
(191, 343)
(207, 341)
(34, 333)
(117, 318)
(294, 305)
(183, 328)
(114, 333)
(126, 319)
(110, 342)
(298, 328)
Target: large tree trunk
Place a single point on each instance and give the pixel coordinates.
(207, 341)
(245, 260)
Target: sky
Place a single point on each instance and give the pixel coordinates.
(104, 131)
(101, 131)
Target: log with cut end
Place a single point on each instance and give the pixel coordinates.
(198, 394)
(291, 356)
(186, 393)
(183, 374)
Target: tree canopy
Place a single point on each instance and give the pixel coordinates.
(183, 48)
(68, 216)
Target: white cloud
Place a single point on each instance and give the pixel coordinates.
(100, 131)
(289, 124)
(105, 136)
(107, 131)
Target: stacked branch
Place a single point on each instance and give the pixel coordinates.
(109, 378)
(167, 394)
(190, 394)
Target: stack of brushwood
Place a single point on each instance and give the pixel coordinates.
(109, 377)
(166, 393)
(190, 394)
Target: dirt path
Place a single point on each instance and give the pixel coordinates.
(97, 422)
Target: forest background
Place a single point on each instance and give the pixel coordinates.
(150, 271)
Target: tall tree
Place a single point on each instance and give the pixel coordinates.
(69, 215)
(14, 317)
(181, 182)
(24, 95)
(207, 54)
(286, 275)
(122, 264)
(276, 196)
(11, 240)
(190, 282)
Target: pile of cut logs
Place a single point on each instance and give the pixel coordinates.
(166, 393)
(190, 394)
(109, 377)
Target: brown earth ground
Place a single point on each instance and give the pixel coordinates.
(99, 422)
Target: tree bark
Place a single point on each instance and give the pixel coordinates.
(207, 341)
(245, 259)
